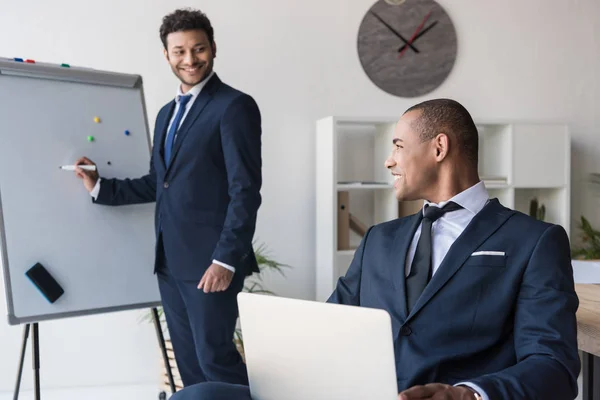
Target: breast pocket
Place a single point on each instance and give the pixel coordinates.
(486, 260)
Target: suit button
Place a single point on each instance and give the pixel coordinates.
(166, 185)
(405, 331)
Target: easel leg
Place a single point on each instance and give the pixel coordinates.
(21, 362)
(36, 361)
(163, 348)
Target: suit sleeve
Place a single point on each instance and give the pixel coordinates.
(545, 329)
(347, 290)
(241, 144)
(117, 192)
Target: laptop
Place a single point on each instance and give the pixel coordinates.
(306, 350)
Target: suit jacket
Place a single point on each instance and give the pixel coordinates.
(208, 198)
(503, 322)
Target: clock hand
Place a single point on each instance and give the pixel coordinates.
(415, 34)
(394, 31)
(420, 34)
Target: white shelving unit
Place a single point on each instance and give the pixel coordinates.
(517, 162)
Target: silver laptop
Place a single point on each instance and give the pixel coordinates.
(305, 350)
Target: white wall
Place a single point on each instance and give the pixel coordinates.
(526, 60)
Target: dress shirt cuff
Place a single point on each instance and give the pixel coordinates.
(476, 388)
(227, 266)
(96, 190)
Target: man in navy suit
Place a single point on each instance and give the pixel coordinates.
(481, 297)
(205, 176)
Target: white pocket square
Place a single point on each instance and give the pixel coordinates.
(488, 253)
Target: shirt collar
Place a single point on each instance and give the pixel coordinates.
(195, 91)
(472, 199)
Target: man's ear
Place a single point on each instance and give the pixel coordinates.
(166, 53)
(442, 146)
(214, 49)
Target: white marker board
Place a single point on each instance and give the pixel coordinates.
(102, 256)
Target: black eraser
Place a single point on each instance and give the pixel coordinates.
(46, 284)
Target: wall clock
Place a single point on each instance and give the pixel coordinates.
(407, 48)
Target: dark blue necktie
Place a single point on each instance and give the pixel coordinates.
(183, 100)
(420, 271)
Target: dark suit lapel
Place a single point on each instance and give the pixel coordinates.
(203, 99)
(404, 236)
(161, 131)
(481, 227)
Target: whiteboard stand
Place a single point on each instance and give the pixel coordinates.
(75, 111)
(36, 356)
(36, 361)
(163, 348)
(20, 372)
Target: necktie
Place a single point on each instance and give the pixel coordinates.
(183, 100)
(420, 271)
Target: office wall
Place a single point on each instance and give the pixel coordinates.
(534, 60)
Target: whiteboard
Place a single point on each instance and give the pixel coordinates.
(102, 256)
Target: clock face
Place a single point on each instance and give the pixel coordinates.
(407, 48)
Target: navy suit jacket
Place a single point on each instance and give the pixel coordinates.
(506, 323)
(207, 200)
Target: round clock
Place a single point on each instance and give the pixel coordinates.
(407, 48)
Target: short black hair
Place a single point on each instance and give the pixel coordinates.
(450, 117)
(185, 19)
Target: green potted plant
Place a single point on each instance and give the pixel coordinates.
(589, 249)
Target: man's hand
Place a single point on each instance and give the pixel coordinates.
(437, 391)
(89, 177)
(215, 279)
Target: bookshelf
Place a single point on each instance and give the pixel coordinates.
(517, 162)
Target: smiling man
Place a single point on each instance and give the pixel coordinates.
(205, 176)
(481, 297)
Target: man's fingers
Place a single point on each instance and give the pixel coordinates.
(208, 284)
(81, 173)
(422, 392)
(202, 281)
(403, 396)
(445, 395)
(205, 284)
(416, 392)
(224, 285)
(226, 278)
(84, 161)
(227, 283)
(219, 284)
(216, 285)
(214, 280)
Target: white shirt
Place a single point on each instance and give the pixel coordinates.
(195, 91)
(446, 229)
